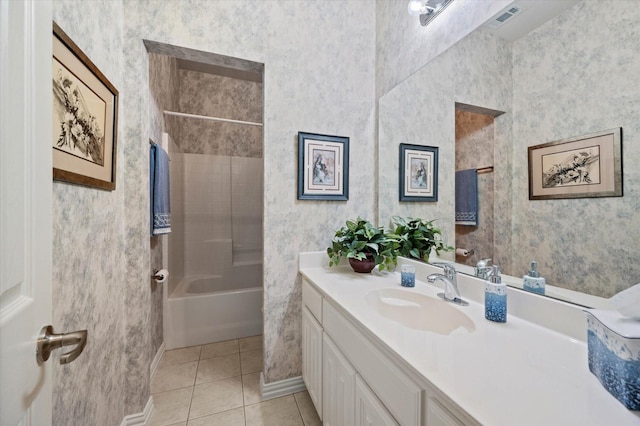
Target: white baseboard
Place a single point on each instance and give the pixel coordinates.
(153, 368)
(281, 387)
(140, 419)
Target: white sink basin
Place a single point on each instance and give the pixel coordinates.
(419, 312)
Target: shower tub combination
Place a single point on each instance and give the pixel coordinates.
(212, 308)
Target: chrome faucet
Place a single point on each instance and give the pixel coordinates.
(449, 279)
(483, 269)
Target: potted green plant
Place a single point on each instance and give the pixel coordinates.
(364, 245)
(416, 237)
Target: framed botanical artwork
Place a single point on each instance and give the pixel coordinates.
(85, 115)
(323, 167)
(418, 173)
(579, 167)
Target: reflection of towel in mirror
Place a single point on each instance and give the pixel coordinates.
(467, 197)
(159, 190)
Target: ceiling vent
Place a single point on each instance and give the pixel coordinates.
(504, 16)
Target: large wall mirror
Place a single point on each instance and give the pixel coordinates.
(575, 74)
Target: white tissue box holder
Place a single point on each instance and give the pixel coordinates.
(613, 343)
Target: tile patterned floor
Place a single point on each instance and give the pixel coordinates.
(219, 384)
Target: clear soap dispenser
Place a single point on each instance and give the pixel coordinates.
(533, 282)
(495, 297)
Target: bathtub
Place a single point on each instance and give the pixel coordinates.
(211, 308)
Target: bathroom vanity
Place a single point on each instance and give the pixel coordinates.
(378, 353)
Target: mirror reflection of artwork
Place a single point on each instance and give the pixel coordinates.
(323, 167)
(572, 168)
(418, 173)
(78, 117)
(418, 180)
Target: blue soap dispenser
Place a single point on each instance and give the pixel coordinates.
(533, 282)
(495, 297)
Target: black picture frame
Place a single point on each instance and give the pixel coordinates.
(418, 173)
(323, 167)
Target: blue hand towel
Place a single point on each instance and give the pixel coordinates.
(467, 197)
(159, 191)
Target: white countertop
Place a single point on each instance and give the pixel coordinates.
(515, 373)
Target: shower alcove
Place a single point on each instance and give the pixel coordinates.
(210, 109)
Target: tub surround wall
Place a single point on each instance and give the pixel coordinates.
(222, 213)
(207, 219)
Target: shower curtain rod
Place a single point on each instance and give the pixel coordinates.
(206, 117)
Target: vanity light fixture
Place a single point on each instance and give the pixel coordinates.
(427, 9)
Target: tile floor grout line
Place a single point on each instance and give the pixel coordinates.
(299, 410)
(244, 402)
(193, 391)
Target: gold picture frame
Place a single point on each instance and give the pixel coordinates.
(585, 166)
(85, 117)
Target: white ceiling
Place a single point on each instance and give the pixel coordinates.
(533, 14)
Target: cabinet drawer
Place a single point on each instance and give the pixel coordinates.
(401, 396)
(312, 299)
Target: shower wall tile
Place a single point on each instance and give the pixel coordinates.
(207, 205)
(246, 206)
(176, 238)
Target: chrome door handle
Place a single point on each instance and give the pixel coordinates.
(48, 341)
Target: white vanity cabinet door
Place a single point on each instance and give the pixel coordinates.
(312, 358)
(369, 410)
(338, 387)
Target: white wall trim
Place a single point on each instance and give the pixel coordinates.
(281, 387)
(153, 368)
(140, 419)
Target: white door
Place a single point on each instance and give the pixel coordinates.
(25, 208)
